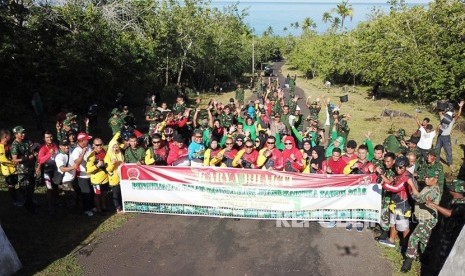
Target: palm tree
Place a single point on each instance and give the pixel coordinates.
(344, 10)
(327, 17)
(307, 24)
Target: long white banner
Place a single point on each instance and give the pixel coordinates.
(254, 194)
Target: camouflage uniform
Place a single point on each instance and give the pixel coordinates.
(292, 105)
(240, 95)
(226, 120)
(25, 170)
(314, 111)
(427, 218)
(343, 128)
(153, 124)
(435, 169)
(385, 201)
(179, 108)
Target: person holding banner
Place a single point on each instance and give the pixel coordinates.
(226, 155)
(196, 149)
(211, 152)
(178, 155)
(292, 157)
(158, 153)
(400, 209)
(247, 157)
(270, 158)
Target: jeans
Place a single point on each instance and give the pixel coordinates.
(444, 142)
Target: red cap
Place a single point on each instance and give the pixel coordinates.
(83, 136)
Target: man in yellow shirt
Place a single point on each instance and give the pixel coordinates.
(7, 166)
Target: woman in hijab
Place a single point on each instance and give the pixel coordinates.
(114, 158)
(306, 152)
(336, 143)
(211, 152)
(292, 157)
(318, 157)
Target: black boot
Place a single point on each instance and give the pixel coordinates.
(384, 235)
(407, 265)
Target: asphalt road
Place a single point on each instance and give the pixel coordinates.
(182, 245)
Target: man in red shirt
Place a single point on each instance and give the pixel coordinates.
(247, 157)
(335, 164)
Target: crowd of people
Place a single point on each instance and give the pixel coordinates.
(270, 133)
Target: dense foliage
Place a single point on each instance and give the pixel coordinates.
(418, 50)
(88, 50)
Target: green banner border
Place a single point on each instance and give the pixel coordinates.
(367, 215)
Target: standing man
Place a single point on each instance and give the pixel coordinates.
(432, 166)
(8, 167)
(427, 135)
(23, 157)
(240, 94)
(270, 158)
(47, 162)
(443, 140)
(78, 159)
(115, 122)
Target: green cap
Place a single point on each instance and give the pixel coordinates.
(67, 122)
(70, 116)
(401, 132)
(153, 105)
(115, 111)
(18, 129)
(457, 186)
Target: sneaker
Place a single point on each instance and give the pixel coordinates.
(407, 265)
(360, 228)
(349, 227)
(89, 213)
(384, 235)
(387, 243)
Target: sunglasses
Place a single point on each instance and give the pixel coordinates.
(287, 144)
(97, 145)
(249, 147)
(198, 136)
(270, 143)
(228, 144)
(156, 142)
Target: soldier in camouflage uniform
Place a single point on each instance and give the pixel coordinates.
(432, 166)
(314, 109)
(152, 116)
(454, 221)
(226, 118)
(240, 94)
(24, 158)
(387, 174)
(179, 106)
(426, 216)
(115, 122)
(292, 86)
(127, 113)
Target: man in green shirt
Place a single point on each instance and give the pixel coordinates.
(240, 94)
(134, 153)
(115, 121)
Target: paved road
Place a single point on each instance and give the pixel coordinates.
(181, 245)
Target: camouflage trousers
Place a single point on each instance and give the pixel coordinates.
(385, 214)
(420, 236)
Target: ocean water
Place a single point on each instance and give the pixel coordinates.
(280, 14)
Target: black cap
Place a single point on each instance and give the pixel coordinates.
(64, 142)
(178, 138)
(351, 144)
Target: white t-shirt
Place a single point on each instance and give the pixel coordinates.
(426, 139)
(81, 172)
(61, 160)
